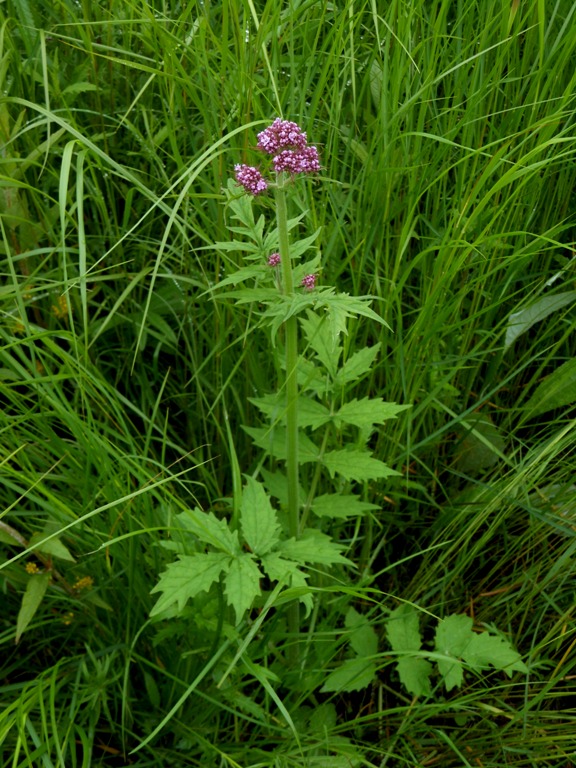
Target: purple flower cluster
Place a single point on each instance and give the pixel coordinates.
(251, 179)
(286, 142)
(309, 282)
(282, 134)
(274, 260)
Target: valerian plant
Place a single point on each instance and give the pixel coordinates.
(315, 436)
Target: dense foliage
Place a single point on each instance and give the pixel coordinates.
(447, 134)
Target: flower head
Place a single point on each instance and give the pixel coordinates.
(250, 178)
(301, 161)
(309, 282)
(281, 135)
(274, 260)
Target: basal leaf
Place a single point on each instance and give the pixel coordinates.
(187, 577)
(242, 584)
(258, 519)
(356, 465)
(357, 365)
(352, 675)
(340, 506)
(35, 591)
(453, 634)
(273, 441)
(486, 650)
(313, 547)
(279, 568)
(210, 530)
(556, 390)
(53, 547)
(362, 635)
(367, 411)
(415, 674)
(403, 629)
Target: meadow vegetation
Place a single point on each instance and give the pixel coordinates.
(447, 193)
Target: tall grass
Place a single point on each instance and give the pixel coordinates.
(447, 134)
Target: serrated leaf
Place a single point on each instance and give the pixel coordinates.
(242, 584)
(273, 441)
(241, 275)
(279, 569)
(403, 629)
(356, 465)
(352, 675)
(31, 600)
(258, 520)
(320, 338)
(362, 635)
(187, 577)
(367, 412)
(357, 365)
(277, 486)
(340, 506)
(206, 527)
(53, 547)
(415, 674)
(486, 650)
(311, 413)
(452, 636)
(555, 391)
(313, 547)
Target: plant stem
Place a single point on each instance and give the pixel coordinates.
(291, 331)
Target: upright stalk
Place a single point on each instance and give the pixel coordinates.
(291, 331)
(291, 341)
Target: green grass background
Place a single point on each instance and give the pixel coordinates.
(447, 136)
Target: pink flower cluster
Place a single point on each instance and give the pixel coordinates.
(251, 179)
(286, 142)
(274, 260)
(309, 282)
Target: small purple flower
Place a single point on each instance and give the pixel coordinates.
(280, 135)
(309, 282)
(251, 179)
(274, 260)
(301, 161)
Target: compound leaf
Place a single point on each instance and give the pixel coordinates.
(187, 577)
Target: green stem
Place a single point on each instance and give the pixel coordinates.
(291, 331)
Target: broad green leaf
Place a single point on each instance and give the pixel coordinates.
(452, 636)
(362, 635)
(352, 675)
(482, 446)
(320, 338)
(313, 547)
(367, 411)
(279, 569)
(187, 577)
(485, 650)
(356, 465)
(206, 527)
(241, 275)
(520, 322)
(403, 629)
(53, 547)
(258, 520)
(311, 413)
(277, 486)
(556, 390)
(415, 674)
(357, 365)
(35, 591)
(340, 505)
(242, 584)
(273, 441)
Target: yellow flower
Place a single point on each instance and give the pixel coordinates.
(68, 618)
(32, 568)
(60, 309)
(85, 582)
